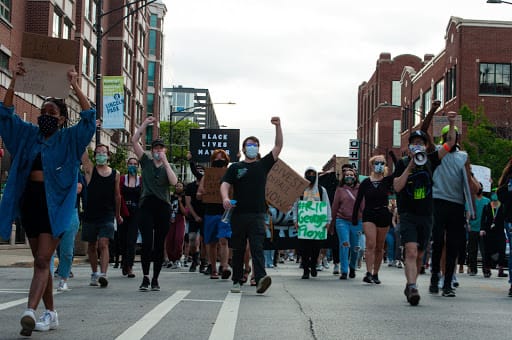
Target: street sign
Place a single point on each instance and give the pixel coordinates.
(354, 143)
(354, 164)
(353, 154)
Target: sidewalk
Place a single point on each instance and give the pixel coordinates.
(22, 257)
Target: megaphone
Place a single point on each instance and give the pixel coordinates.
(420, 157)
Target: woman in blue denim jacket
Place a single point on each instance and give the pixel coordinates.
(42, 186)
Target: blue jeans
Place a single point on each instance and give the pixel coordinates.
(67, 246)
(390, 241)
(349, 235)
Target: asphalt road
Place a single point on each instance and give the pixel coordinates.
(191, 306)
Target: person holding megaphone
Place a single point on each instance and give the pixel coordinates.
(413, 184)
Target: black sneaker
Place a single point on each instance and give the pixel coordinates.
(154, 285)
(448, 292)
(102, 280)
(314, 272)
(263, 284)
(352, 273)
(510, 292)
(225, 274)
(413, 296)
(375, 278)
(368, 278)
(192, 268)
(434, 284)
(343, 276)
(144, 287)
(208, 270)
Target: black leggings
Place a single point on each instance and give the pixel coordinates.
(155, 216)
(127, 235)
(310, 250)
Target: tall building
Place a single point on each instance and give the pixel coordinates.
(473, 69)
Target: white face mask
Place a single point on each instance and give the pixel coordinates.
(379, 168)
(251, 151)
(156, 156)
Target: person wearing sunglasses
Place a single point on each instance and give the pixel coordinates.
(376, 215)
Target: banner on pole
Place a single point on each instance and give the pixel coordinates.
(113, 102)
(312, 220)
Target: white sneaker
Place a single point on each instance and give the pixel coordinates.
(28, 322)
(176, 265)
(49, 320)
(441, 282)
(63, 286)
(336, 269)
(325, 263)
(235, 288)
(94, 280)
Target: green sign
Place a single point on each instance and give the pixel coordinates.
(312, 220)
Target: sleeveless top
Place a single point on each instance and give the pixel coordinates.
(101, 198)
(131, 195)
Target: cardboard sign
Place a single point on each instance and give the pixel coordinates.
(483, 175)
(312, 220)
(47, 61)
(284, 186)
(204, 141)
(113, 102)
(211, 184)
(438, 122)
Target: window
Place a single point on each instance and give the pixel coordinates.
(495, 79)
(151, 73)
(451, 78)
(149, 135)
(92, 64)
(85, 55)
(153, 20)
(5, 9)
(376, 135)
(66, 31)
(152, 42)
(396, 93)
(57, 24)
(396, 133)
(150, 102)
(128, 56)
(416, 111)
(439, 91)
(4, 61)
(405, 118)
(92, 14)
(427, 102)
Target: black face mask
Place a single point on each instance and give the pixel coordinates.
(311, 179)
(480, 191)
(219, 163)
(47, 124)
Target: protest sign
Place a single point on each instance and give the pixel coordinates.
(113, 102)
(483, 175)
(312, 220)
(211, 184)
(439, 122)
(284, 186)
(47, 62)
(204, 141)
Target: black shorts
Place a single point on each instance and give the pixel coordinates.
(415, 228)
(194, 227)
(381, 217)
(34, 210)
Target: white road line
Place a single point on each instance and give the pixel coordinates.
(13, 303)
(14, 291)
(199, 300)
(148, 321)
(224, 328)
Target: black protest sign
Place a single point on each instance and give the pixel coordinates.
(204, 141)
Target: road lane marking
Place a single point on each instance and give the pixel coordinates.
(199, 300)
(14, 291)
(224, 328)
(13, 303)
(148, 321)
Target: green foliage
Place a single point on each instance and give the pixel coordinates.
(180, 139)
(483, 144)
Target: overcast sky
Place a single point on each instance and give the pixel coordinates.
(300, 60)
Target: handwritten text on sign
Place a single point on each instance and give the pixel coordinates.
(312, 220)
(284, 186)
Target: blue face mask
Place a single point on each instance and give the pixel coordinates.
(494, 197)
(132, 169)
(378, 168)
(251, 151)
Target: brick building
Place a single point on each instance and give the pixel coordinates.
(132, 47)
(473, 69)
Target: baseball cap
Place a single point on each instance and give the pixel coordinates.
(156, 142)
(418, 133)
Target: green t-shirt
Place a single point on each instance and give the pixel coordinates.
(154, 181)
(480, 203)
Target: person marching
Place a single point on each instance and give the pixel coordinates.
(413, 185)
(42, 186)
(504, 193)
(155, 204)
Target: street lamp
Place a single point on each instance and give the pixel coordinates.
(498, 2)
(99, 36)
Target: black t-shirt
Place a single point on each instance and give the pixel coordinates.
(248, 181)
(191, 190)
(416, 196)
(375, 195)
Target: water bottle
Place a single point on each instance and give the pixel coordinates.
(226, 217)
(510, 184)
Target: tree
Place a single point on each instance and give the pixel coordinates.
(483, 144)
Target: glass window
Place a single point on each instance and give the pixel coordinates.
(495, 79)
(396, 93)
(451, 78)
(149, 135)
(416, 111)
(427, 102)
(85, 55)
(5, 9)
(4, 61)
(151, 73)
(439, 91)
(150, 102)
(56, 25)
(153, 20)
(396, 133)
(66, 31)
(92, 60)
(152, 42)
(92, 14)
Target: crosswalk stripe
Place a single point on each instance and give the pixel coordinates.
(13, 303)
(148, 321)
(224, 328)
